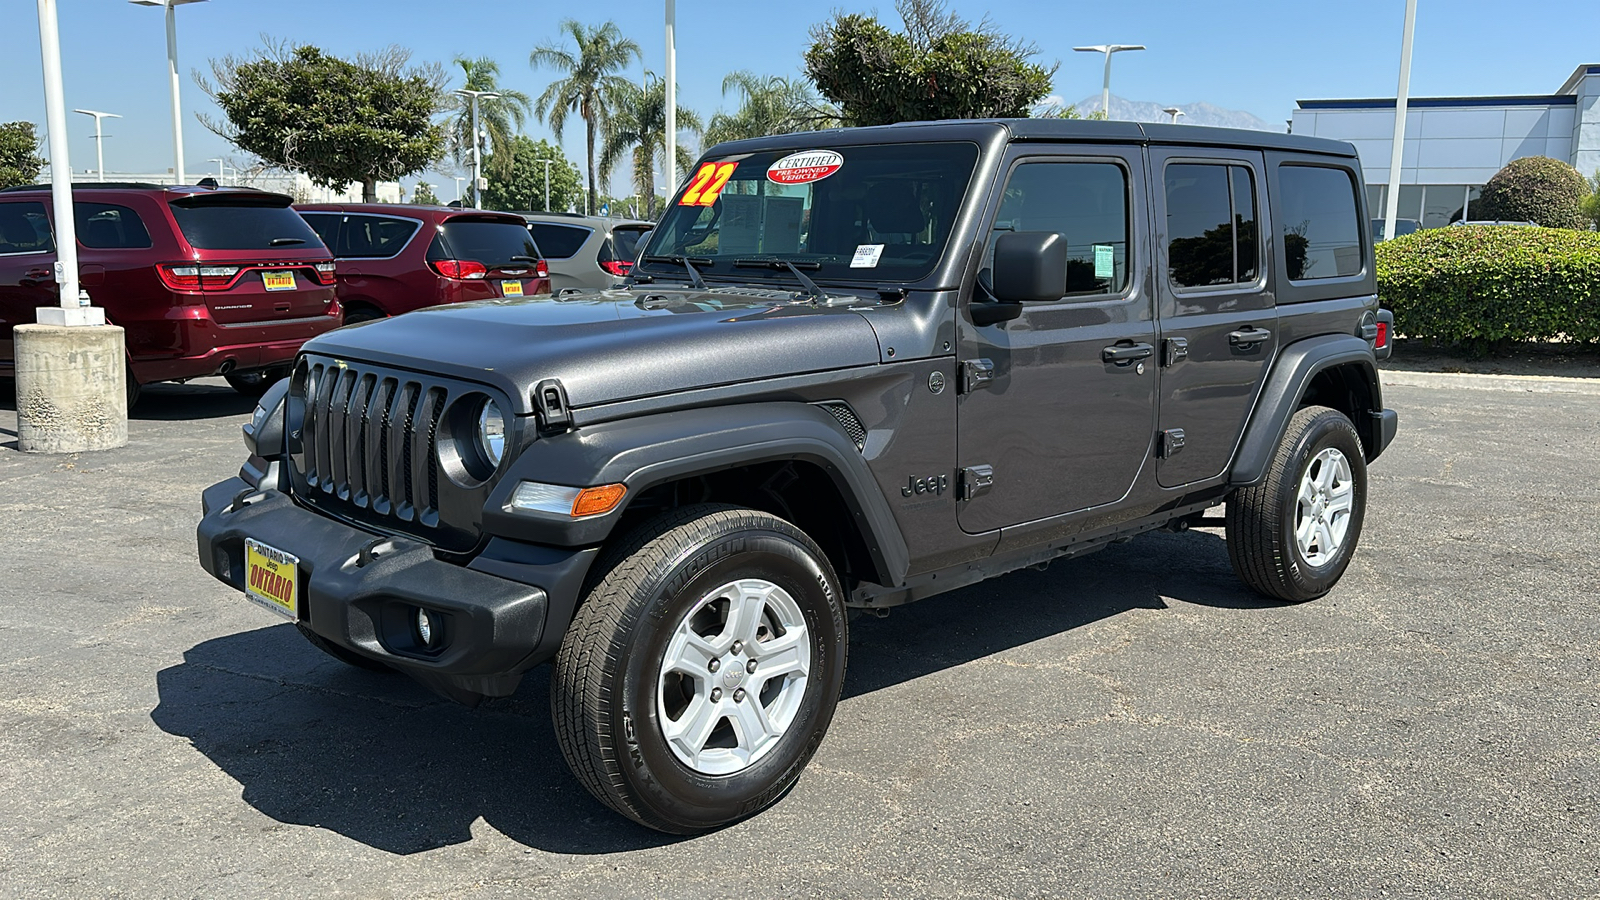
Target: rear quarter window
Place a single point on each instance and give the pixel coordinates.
(1320, 227)
(559, 241)
(210, 222)
(374, 237)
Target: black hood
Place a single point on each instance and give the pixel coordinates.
(616, 345)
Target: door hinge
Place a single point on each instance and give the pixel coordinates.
(975, 480)
(1170, 444)
(550, 407)
(976, 373)
(1174, 351)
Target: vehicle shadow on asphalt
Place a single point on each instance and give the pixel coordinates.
(165, 402)
(380, 760)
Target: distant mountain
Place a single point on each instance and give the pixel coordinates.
(1193, 113)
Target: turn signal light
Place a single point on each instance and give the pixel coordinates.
(598, 501)
(532, 496)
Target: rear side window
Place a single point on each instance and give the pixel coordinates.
(374, 236)
(1321, 233)
(106, 226)
(559, 241)
(211, 222)
(493, 243)
(24, 228)
(1211, 225)
(1084, 202)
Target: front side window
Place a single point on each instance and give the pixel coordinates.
(1084, 202)
(106, 226)
(1321, 234)
(871, 212)
(1211, 225)
(24, 228)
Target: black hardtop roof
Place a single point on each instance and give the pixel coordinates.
(1084, 130)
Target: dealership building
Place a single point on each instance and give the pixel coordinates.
(1454, 145)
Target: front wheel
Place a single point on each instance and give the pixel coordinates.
(1292, 535)
(702, 670)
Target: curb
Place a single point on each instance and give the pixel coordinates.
(1523, 384)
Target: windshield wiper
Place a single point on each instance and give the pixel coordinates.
(773, 262)
(688, 264)
(283, 242)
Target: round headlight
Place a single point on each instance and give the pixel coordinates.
(491, 433)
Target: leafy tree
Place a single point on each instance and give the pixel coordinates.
(1535, 189)
(591, 87)
(424, 195)
(940, 67)
(369, 119)
(638, 126)
(1591, 203)
(771, 105)
(500, 116)
(522, 184)
(1055, 111)
(19, 154)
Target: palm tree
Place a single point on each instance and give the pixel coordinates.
(501, 116)
(591, 87)
(639, 124)
(772, 105)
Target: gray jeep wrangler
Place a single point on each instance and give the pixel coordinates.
(851, 369)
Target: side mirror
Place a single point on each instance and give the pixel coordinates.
(1030, 265)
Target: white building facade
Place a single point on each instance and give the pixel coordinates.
(1454, 145)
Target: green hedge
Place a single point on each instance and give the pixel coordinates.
(1479, 286)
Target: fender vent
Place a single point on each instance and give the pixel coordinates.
(847, 418)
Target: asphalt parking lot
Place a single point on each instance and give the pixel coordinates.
(1133, 723)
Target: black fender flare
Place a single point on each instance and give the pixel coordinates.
(1287, 384)
(649, 450)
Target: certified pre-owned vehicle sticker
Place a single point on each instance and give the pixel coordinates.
(805, 167)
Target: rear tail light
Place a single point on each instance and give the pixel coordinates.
(180, 278)
(1382, 339)
(541, 269)
(617, 266)
(459, 268)
(326, 272)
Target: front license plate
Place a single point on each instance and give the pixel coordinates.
(511, 288)
(278, 281)
(272, 578)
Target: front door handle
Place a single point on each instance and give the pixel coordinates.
(1249, 336)
(1122, 353)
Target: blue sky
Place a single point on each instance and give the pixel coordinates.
(1257, 56)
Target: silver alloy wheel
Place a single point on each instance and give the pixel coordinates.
(733, 676)
(1323, 507)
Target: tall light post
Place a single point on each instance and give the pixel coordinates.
(1392, 208)
(547, 163)
(99, 148)
(222, 170)
(171, 7)
(672, 94)
(1174, 112)
(458, 179)
(1108, 49)
(477, 175)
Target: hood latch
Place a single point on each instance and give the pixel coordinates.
(550, 407)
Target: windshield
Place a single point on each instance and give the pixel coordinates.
(877, 213)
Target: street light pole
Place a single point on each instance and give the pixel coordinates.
(1174, 112)
(99, 148)
(171, 7)
(672, 94)
(458, 186)
(222, 169)
(1392, 208)
(477, 174)
(1107, 49)
(547, 163)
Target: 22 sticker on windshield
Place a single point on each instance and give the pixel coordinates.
(805, 167)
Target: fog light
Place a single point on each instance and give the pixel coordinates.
(425, 627)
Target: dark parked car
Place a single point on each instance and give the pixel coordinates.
(852, 369)
(204, 281)
(586, 251)
(394, 259)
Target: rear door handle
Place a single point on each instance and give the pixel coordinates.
(1249, 337)
(1121, 353)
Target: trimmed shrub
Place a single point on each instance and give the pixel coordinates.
(1478, 286)
(1535, 189)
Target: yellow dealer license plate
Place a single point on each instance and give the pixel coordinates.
(511, 288)
(278, 281)
(272, 578)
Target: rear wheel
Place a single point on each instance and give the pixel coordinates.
(255, 382)
(352, 315)
(133, 387)
(702, 670)
(1292, 535)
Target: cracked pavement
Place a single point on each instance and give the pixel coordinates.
(1132, 723)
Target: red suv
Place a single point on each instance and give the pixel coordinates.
(393, 259)
(204, 281)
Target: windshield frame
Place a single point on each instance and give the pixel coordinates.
(958, 205)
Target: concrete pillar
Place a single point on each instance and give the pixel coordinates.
(71, 389)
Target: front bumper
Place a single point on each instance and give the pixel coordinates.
(361, 591)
